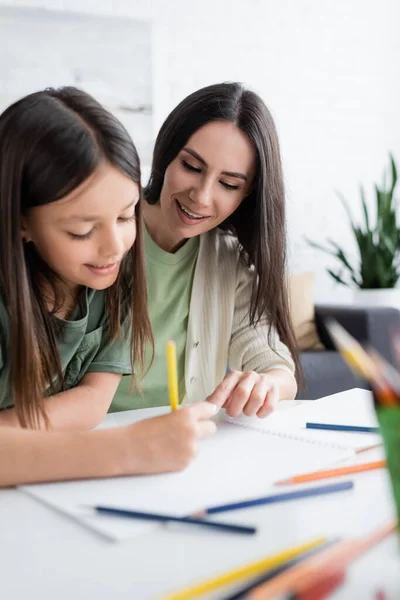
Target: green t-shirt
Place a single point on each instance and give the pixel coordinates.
(169, 285)
(82, 343)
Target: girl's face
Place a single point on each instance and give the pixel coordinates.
(205, 183)
(84, 236)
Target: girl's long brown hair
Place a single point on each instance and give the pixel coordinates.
(50, 143)
(259, 223)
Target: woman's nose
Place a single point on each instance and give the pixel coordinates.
(201, 194)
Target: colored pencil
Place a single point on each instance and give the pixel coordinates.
(367, 448)
(338, 472)
(333, 427)
(340, 486)
(395, 337)
(271, 573)
(147, 516)
(310, 572)
(390, 373)
(361, 362)
(351, 350)
(172, 370)
(322, 588)
(246, 571)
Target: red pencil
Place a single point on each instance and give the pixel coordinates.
(322, 588)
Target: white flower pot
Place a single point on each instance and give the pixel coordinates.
(383, 297)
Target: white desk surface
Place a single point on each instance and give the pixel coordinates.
(45, 555)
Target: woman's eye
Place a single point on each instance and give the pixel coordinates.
(76, 236)
(128, 219)
(228, 186)
(190, 167)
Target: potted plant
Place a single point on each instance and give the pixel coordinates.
(374, 276)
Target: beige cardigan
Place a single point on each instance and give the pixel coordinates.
(219, 332)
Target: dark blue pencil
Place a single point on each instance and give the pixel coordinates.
(332, 427)
(146, 516)
(285, 497)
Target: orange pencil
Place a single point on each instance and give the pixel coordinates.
(327, 473)
(389, 391)
(303, 576)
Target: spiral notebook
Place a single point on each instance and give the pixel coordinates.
(354, 407)
(243, 460)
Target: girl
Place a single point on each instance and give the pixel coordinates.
(69, 191)
(215, 244)
(70, 214)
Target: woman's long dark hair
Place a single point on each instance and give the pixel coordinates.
(259, 223)
(50, 143)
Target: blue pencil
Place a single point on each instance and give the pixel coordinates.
(321, 490)
(135, 514)
(332, 427)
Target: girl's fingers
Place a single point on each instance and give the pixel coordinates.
(201, 411)
(205, 429)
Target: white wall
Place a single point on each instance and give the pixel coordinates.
(96, 61)
(327, 70)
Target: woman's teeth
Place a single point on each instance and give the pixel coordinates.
(189, 214)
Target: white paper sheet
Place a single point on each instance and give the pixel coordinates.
(354, 407)
(236, 463)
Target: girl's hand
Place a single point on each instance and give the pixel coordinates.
(168, 443)
(248, 392)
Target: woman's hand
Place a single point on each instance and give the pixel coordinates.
(168, 443)
(253, 393)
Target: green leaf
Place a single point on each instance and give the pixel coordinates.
(394, 172)
(341, 256)
(390, 244)
(365, 209)
(378, 243)
(337, 278)
(320, 247)
(345, 206)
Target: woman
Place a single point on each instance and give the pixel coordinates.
(215, 244)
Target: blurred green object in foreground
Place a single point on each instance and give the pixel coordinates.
(389, 421)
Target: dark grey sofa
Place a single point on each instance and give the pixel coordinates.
(325, 372)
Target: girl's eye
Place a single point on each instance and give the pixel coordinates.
(86, 236)
(76, 236)
(189, 167)
(229, 187)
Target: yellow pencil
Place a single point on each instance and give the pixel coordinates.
(172, 375)
(361, 362)
(254, 568)
(352, 351)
